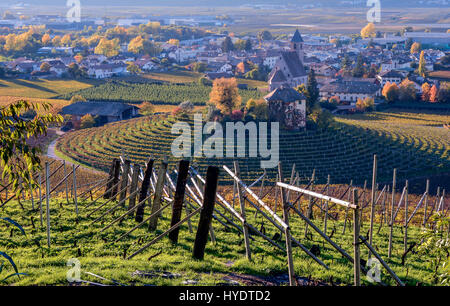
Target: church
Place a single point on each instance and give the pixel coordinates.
(289, 70)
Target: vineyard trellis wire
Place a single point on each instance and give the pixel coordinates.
(124, 184)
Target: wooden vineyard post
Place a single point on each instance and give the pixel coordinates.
(124, 182)
(405, 238)
(144, 190)
(109, 184)
(40, 200)
(177, 208)
(309, 213)
(31, 196)
(391, 223)
(356, 249)
(75, 200)
(47, 198)
(158, 195)
(209, 199)
(427, 190)
(363, 202)
(372, 198)
(67, 183)
(242, 206)
(287, 230)
(134, 186)
(326, 206)
(115, 183)
(346, 209)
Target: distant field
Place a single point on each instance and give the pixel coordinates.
(57, 104)
(443, 75)
(42, 88)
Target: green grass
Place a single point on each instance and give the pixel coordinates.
(77, 239)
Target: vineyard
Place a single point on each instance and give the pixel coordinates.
(416, 147)
(96, 226)
(155, 93)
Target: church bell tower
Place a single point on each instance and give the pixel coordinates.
(297, 45)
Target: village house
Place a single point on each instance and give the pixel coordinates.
(391, 76)
(105, 111)
(349, 90)
(288, 106)
(103, 71)
(289, 69)
(271, 58)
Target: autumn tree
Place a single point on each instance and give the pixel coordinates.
(66, 40)
(19, 160)
(415, 48)
(385, 88)
(422, 69)
(87, 121)
(225, 95)
(45, 67)
(146, 109)
(368, 30)
(426, 92)
(136, 45)
(444, 93)
(174, 41)
(46, 39)
(133, 68)
(76, 99)
(392, 93)
(107, 47)
(56, 41)
(434, 92)
(407, 91)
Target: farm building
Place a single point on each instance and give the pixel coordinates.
(350, 91)
(106, 111)
(288, 106)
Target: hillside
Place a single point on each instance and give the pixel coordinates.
(412, 143)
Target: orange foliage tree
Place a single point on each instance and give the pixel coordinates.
(225, 95)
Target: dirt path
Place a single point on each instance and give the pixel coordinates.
(51, 153)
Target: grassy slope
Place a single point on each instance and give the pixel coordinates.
(72, 239)
(42, 88)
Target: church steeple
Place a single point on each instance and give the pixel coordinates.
(297, 44)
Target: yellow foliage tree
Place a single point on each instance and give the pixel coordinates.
(426, 92)
(174, 42)
(136, 45)
(225, 95)
(415, 48)
(46, 39)
(107, 47)
(368, 30)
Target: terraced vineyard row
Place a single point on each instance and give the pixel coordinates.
(344, 151)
